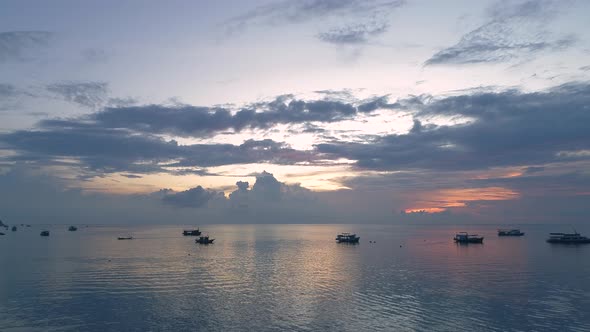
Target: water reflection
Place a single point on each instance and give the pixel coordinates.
(291, 277)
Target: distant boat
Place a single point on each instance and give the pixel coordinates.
(2, 233)
(347, 238)
(45, 233)
(464, 237)
(565, 238)
(125, 238)
(14, 228)
(72, 228)
(191, 232)
(510, 232)
(204, 240)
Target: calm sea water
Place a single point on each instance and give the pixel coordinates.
(291, 277)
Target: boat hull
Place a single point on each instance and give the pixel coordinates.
(557, 241)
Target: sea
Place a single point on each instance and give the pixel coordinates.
(292, 278)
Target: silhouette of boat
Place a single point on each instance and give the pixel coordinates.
(347, 238)
(464, 237)
(14, 228)
(125, 238)
(567, 238)
(72, 228)
(510, 232)
(45, 233)
(191, 232)
(204, 240)
(2, 233)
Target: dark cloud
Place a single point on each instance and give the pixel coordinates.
(183, 120)
(353, 34)
(89, 94)
(113, 150)
(193, 198)
(514, 29)
(22, 45)
(7, 91)
(507, 128)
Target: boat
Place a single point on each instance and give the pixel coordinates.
(347, 238)
(45, 233)
(567, 238)
(191, 232)
(72, 228)
(125, 238)
(204, 240)
(14, 228)
(464, 237)
(2, 233)
(510, 232)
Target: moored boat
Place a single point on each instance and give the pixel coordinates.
(464, 237)
(191, 232)
(204, 240)
(567, 238)
(125, 238)
(72, 228)
(347, 238)
(510, 232)
(45, 233)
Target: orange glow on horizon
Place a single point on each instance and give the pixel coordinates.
(440, 200)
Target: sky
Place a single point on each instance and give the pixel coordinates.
(310, 111)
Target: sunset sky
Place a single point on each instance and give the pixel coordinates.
(316, 111)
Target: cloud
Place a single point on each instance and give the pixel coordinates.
(353, 34)
(306, 10)
(22, 45)
(194, 198)
(195, 121)
(513, 30)
(88, 94)
(506, 128)
(102, 151)
(7, 91)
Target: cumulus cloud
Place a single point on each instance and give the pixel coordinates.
(512, 30)
(195, 197)
(22, 45)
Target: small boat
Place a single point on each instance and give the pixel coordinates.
(45, 233)
(191, 232)
(125, 238)
(204, 240)
(464, 237)
(72, 228)
(347, 238)
(14, 228)
(2, 233)
(510, 232)
(565, 238)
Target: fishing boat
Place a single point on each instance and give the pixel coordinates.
(191, 232)
(464, 237)
(567, 238)
(72, 228)
(125, 238)
(45, 233)
(347, 238)
(510, 232)
(204, 240)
